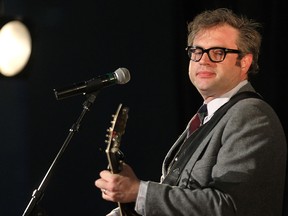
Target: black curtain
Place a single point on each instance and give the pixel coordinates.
(75, 41)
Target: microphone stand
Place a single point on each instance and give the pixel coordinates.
(33, 208)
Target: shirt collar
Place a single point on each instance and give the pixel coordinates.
(216, 103)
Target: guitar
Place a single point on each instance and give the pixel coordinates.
(114, 155)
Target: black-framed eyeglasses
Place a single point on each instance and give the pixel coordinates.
(215, 54)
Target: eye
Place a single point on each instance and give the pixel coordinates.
(219, 52)
(197, 51)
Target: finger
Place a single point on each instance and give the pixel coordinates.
(106, 195)
(104, 191)
(100, 183)
(105, 174)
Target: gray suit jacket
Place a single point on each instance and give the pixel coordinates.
(238, 169)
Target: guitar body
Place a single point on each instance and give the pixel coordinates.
(114, 155)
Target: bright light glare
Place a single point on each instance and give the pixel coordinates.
(15, 48)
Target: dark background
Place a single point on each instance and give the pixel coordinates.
(75, 41)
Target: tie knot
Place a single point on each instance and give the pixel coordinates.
(197, 119)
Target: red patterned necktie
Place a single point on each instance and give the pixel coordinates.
(197, 119)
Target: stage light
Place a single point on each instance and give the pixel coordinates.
(15, 46)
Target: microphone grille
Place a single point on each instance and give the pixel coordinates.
(122, 75)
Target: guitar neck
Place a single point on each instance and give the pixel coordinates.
(115, 156)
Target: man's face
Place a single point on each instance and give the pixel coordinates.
(214, 79)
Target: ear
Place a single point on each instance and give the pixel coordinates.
(246, 62)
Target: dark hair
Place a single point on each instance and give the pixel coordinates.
(249, 40)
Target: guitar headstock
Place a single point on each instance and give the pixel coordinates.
(115, 132)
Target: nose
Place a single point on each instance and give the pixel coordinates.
(205, 58)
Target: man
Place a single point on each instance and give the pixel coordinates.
(238, 167)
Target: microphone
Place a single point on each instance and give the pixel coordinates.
(120, 76)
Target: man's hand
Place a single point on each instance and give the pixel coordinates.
(122, 187)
